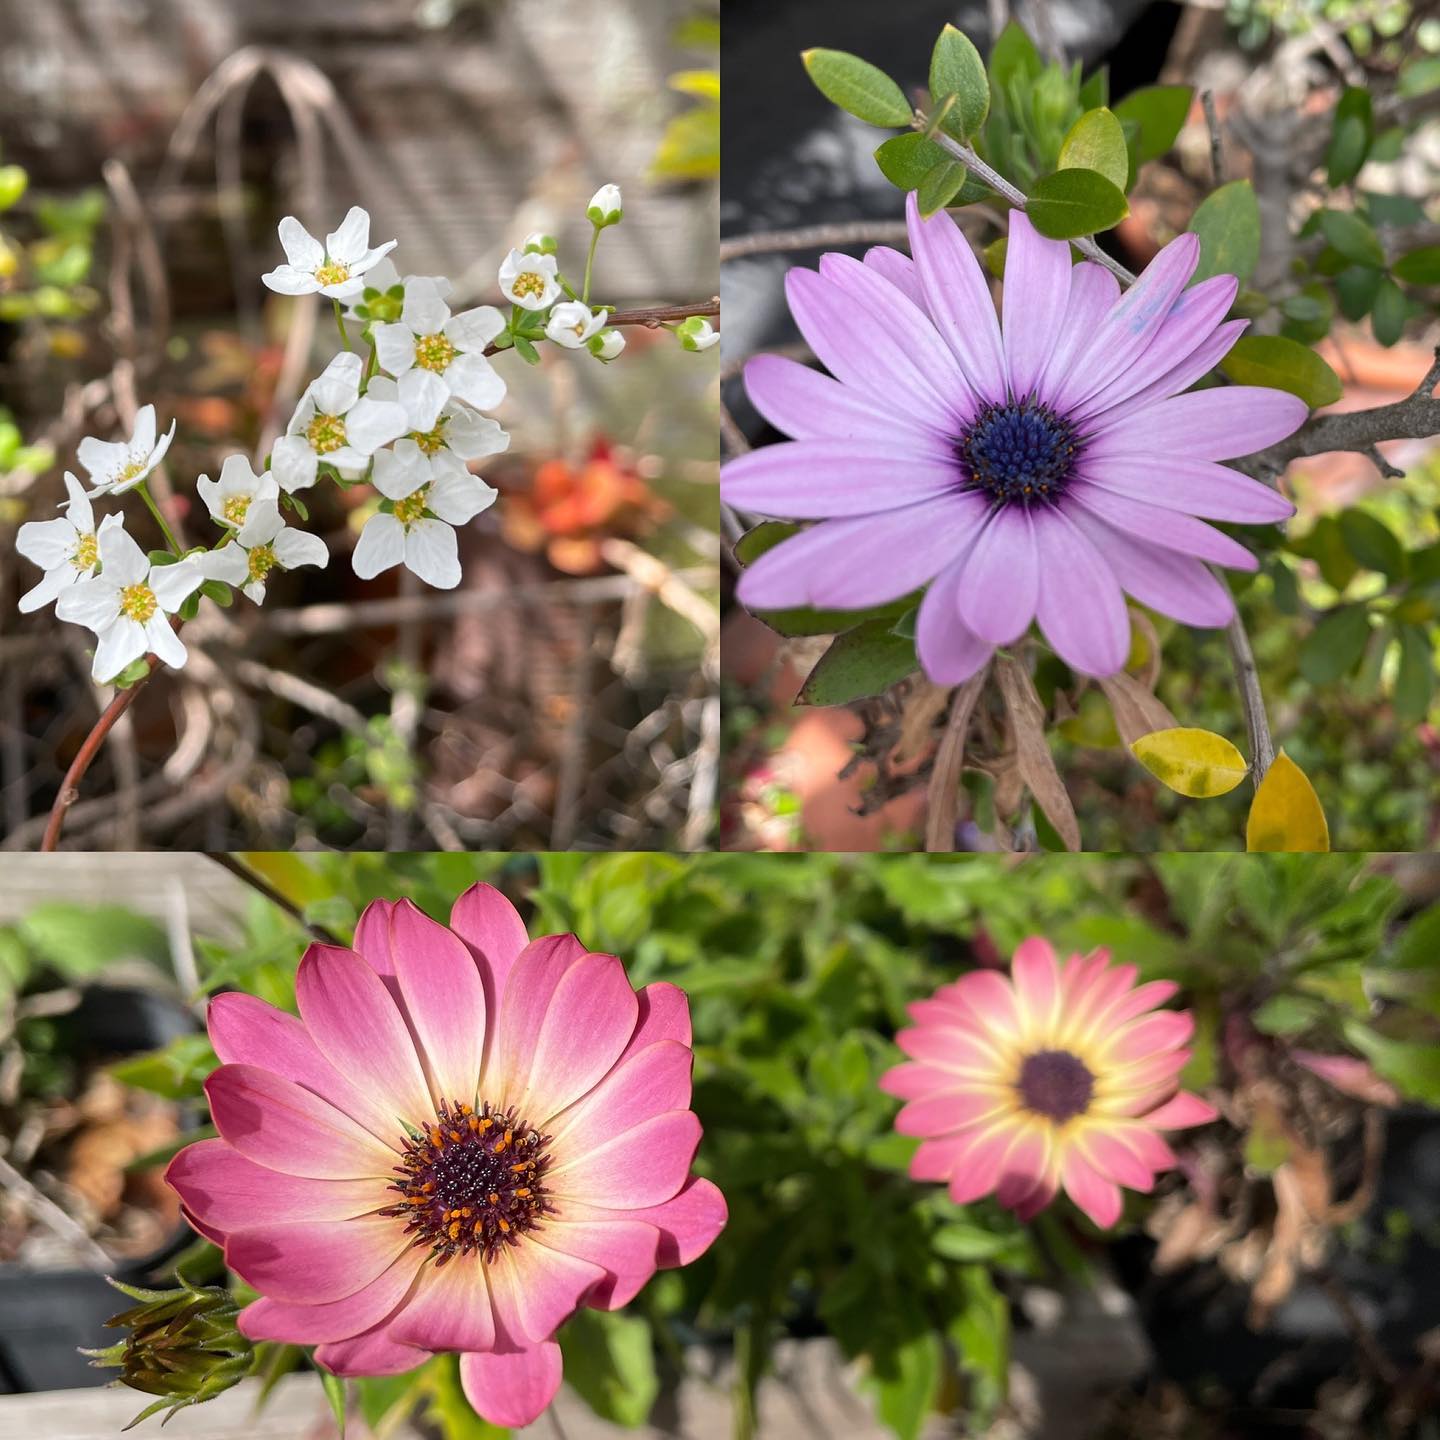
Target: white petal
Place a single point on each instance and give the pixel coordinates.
(382, 387)
(473, 379)
(236, 477)
(120, 644)
(229, 563)
(337, 387)
(373, 423)
(432, 554)
(370, 259)
(458, 499)
(158, 453)
(381, 276)
(142, 442)
(262, 524)
(287, 280)
(102, 460)
(77, 507)
(174, 584)
(424, 311)
(381, 545)
(299, 547)
(302, 249)
(344, 289)
(52, 583)
(473, 436)
(352, 239)
(92, 603)
(423, 394)
(255, 591)
(165, 643)
(124, 561)
(210, 493)
(475, 329)
(47, 542)
(395, 346)
(401, 471)
(293, 463)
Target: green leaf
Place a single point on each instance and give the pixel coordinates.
(958, 1241)
(610, 1360)
(905, 160)
(1284, 365)
(1335, 645)
(957, 69)
(857, 86)
(1373, 543)
(939, 187)
(765, 536)
(1013, 56)
(867, 660)
(1390, 313)
(177, 1071)
(1420, 77)
(1357, 287)
(1286, 1014)
(335, 1394)
(904, 1380)
(79, 941)
(1412, 1066)
(1353, 236)
(1096, 142)
(1350, 137)
(1159, 111)
(526, 351)
(449, 1411)
(1415, 679)
(1071, 203)
(1228, 224)
(13, 181)
(1419, 267)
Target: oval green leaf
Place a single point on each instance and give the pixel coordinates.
(867, 660)
(905, 160)
(1071, 203)
(1159, 111)
(1097, 142)
(857, 86)
(1283, 365)
(1197, 763)
(1353, 237)
(957, 69)
(940, 186)
(1228, 224)
(1389, 313)
(1419, 267)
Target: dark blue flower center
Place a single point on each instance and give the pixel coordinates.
(1055, 1084)
(1021, 450)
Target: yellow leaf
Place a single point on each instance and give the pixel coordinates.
(1286, 813)
(1198, 763)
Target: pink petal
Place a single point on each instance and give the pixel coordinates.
(824, 479)
(1196, 487)
(978, 1168)
(900, 271)
(1181, 1111)
(450, 1309)
(315, 1261)
(354, 1021)
(491, 926)
(511, 1388)
(246, 1031)
(626, 1250)
(1080, 608)
(1141, 1039)
(936, 1159)
(1149, 996)
(220, 1187)
(1037, 982)
(372, 1352)
(1000, 579)
(991, 999)
(1024, 1168)
(1158, 526)
(1199, 362)
(688, 1222)
(267, 1319)
(649, 1082)
(275, 1123)
(1098, 1197)
(535, 1289)
(645, 1165)
(664, 1015)
(806, 405)
(957, 297)
(1145, 1143)
(444, 1001)
(1216, 424)
(1033, 303)
(914, 1080)
(950, 1110)
(537, 970)
(949, 652)
(1113, 1160)
(1093, 293)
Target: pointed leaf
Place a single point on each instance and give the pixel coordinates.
(867, 660)
(1097, 142)
(1071, 203)
(1228, 224)
(1286, 813)
(857, 86)
(957, 69)
(1159, 111)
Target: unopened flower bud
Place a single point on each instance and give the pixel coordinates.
(537, 242)
(605, 207)
(606, 345)
(697, 333)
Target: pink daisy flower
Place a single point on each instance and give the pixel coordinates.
(1058, 1076)
(464, 1136)
(1034, 470)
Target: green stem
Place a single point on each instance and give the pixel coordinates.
(590, 261)
(372, 366)
(149, 499)
(340, 323)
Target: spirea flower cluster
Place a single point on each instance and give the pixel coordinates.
(410, 420)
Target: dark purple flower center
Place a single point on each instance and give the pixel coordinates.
(472, 1182)
(1055, 1084)
(1021, 450)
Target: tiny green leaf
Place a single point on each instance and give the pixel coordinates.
(1353, 236)
(1159, 111)
(857, 86)
(905, 160)
(867, 660)
(1228, 224)
(1096, 142)
(1390, 312)
(957, 69)
(1014, 56)
(1071, 203)
(1350, 138)
(941, 184)
(1284, 365)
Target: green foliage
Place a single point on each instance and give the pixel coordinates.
(864, 661)
(1072, 203)
(956, 69)
(1284, 364)
(1157, 112)
(857, 87)
(1228, 224)
(1096, 141)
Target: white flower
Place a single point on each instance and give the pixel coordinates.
(67, 549)
(335, 423)
(436, 422)
(605, 207)
(573, 323)
(607, 344)
(116, 465)
(128, 603)
(429, 338)
(384, 277)
(528, 279)
(539, 242)
(335, 268)
(230, 497)
(697, 333)
(430, 495)
(263, 542)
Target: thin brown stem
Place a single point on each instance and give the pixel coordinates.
(652, 317)
(262, 886)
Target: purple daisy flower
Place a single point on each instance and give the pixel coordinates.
(1034, 477)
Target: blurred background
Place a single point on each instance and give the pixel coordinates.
(1359, 717)
(564, 695)
(1284, 1281)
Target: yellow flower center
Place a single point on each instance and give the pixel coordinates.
(412, 507)
(528, 282)
(433, 352)
(130, 471)
(262, 561)
(332, 273)
(86, 554)
(138, 603)
(326, 433)
(432, 441)
(235, 509)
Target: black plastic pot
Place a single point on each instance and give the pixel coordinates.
(47, 1315)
